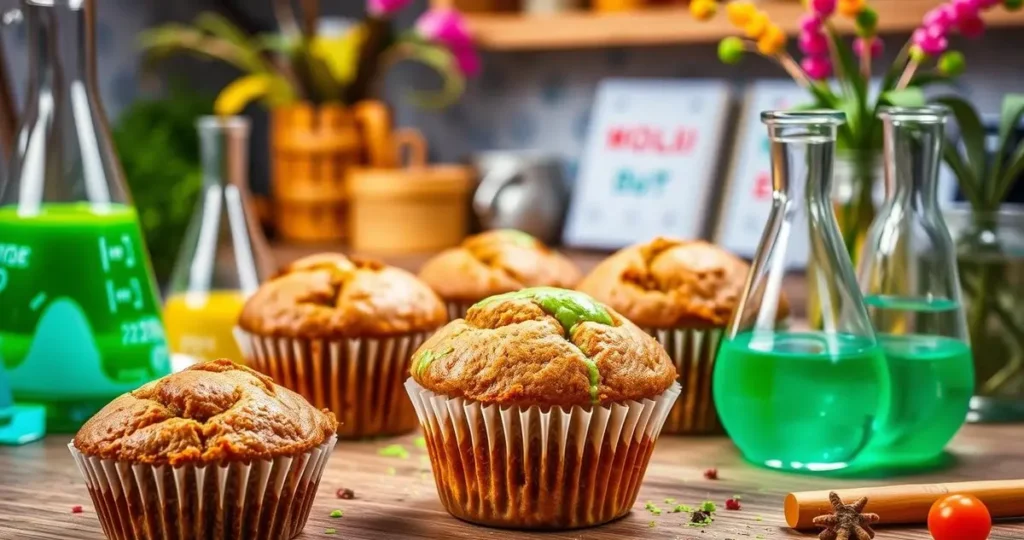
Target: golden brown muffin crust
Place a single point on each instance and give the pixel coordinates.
(209, 413)
(518, 349)
(670, 283)
(496, 262)
(330, 296)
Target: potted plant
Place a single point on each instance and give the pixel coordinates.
(321, 90)
(990, 253)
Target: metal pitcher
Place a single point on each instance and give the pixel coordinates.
(521, 190)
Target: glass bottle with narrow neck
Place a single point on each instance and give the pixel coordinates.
(223, 258)
(909, 278)
(792, 398)
(80, 321)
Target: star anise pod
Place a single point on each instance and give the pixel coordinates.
(846, 522)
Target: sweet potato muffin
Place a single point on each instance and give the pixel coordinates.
(495, 262)
(214, 451)
(684, 294)
(564, 399)
(341, 332)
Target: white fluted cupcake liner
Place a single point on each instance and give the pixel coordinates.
(358, 379)
(457, 310)
(693, 352)
(261, 500)
(529, 468)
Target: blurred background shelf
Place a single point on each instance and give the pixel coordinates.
(671, 25)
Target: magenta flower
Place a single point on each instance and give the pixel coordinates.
(931, 40)
(965, 9)
(817, 67)
(468, 61)
(813, 43)
(445, 26)
(385, 8)
(872, 46)
(973, 27)
(823, 8)
(942, 17)
(810, 23)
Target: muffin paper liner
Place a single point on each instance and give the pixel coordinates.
(261, 500)
(358, 379)
(457, 310)
(530, 468)
(693, 352)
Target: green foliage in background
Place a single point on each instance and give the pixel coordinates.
(159, 149)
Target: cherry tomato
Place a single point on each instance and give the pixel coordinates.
(959, 517)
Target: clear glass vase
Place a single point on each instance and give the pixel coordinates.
(990, 251)
(790, 399)
(908, 274)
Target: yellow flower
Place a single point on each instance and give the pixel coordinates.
(756, 26)
(772, 41)
(703, 10)
(850, 8)
(740, 13)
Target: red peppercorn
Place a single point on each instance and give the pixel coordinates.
(711, 474)
(77, 509)
(732, 504)
(345, 493)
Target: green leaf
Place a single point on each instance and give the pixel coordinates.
(1013, 171)
(1009, 119)
(965, 177)
(892, 76)
(441, 60)
(973, 134)
(221, 27)
(922, 79)
(277, 43)
(848, 69)
(176, 39)
(908, 97)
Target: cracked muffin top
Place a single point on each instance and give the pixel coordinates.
(330, 296)
(496, 262)
(670, 283)
(209, 413)
(543, 346)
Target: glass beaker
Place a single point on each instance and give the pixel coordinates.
(791, 398)
(223, 258)
(80, 322)
(908, 275)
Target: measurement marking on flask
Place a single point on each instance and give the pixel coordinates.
(111, 300)
(129, 259)
(3, 279)
(137, 288)
(103, 255)
(37, 301)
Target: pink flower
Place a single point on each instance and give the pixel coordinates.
(468, 60)
(385, 8)
(823, 8)
(874, 48)
(813, 43)
(971, 28)
(817, 67)
(810, 23)
(445, 26)
(942, 17)
(931, 40)
(965, 9)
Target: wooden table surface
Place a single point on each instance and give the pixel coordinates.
(395, 497)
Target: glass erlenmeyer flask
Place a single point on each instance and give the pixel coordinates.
(801, 399)
(908, 275)
(224, 256)
(80, 322)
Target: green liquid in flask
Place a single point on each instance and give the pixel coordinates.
(800, 400)
(80, 322)
(932, 380)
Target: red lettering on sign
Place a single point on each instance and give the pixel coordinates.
(647, 139)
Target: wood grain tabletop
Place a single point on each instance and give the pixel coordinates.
(395, 497)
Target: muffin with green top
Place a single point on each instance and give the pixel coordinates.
(541, 409)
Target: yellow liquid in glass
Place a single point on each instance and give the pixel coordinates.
(199, 326)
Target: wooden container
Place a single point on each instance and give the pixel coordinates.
(418, 208)
(312, 149)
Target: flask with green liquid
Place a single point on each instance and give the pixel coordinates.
(79, 322)
(908, 275)
(801, 399)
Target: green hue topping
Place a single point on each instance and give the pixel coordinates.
(570, 308)
(681, 508)
(707, 506)
(425, 358)
(394, 450)
(337, 514)
(518, 238)
(330, 531)
(670, 501)
(420, 442)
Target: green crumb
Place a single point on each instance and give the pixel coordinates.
(758, 518)
(392, 471)
(518, 238)
(394, 450)
(681, 508)
(420, 442)
(336, 513)
(760, 537)
(670, 501)
(330, 531)
(652, 508)
(651, 524)
(737, 497)
(700, 518)
(708, 506)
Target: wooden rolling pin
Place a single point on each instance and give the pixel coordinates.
(909, 503)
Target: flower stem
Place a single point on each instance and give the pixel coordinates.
(789, 64)
(908, 74)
